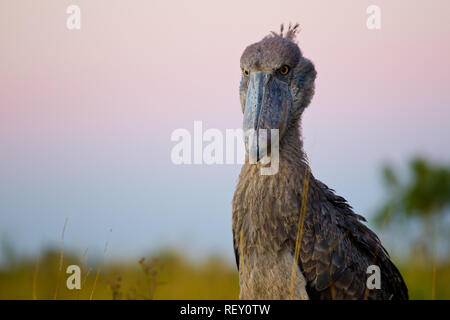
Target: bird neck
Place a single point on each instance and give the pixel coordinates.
(292, 161)
(291, 146)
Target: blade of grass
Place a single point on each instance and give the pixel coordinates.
(299, 232)
(98, 269)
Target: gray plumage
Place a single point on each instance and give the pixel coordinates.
(336, 247)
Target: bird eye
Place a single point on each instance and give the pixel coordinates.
(245, 72)
(284, 70)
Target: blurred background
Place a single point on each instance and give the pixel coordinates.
(86, 118)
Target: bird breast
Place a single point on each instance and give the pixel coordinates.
(265, 218)
(269, 277)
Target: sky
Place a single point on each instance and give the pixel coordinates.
(86, 116)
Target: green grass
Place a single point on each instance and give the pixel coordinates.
(165, 276)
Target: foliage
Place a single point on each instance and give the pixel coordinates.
(426, 193)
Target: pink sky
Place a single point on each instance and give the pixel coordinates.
(102, 101)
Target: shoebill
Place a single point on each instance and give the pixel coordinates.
(294, 238)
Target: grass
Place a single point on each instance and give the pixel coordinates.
(170, 275)
(167, 275)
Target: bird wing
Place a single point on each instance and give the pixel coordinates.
(336, 249)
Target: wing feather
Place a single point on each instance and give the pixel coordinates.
(334, 257)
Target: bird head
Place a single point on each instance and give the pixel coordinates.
(277, 84)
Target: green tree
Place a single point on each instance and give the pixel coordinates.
(423, 198)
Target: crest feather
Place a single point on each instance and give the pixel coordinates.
(290, 33)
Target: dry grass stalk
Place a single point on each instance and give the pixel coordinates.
(151, 271)
(99, 269)
(299, 231)
(115, 286)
